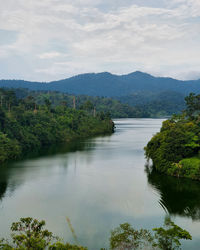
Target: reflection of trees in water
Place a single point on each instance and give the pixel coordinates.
(73, 146)
(177, 196)
(3, 181)
(3, 188)
(9, 170)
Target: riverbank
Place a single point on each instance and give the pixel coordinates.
(102, 178)
(25, 126)
(53, 131)
(175, 149)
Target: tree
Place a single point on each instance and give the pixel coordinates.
(193, 105)
(88, 106)
(125, 237)
(168, 238)
(48, 103)
(2, 119)
(30, 234)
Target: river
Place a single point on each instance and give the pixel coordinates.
(98, 184)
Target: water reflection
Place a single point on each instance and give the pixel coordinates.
(3, 181)
(177, 196)
(98, 183)
(12, 174)
(3, 188)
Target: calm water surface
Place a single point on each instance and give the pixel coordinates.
(98, 184)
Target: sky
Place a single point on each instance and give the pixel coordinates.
(44, 40)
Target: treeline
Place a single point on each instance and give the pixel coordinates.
(175, 150)
(137, 105)
(114, 107)
(26, 125)
(160, 104)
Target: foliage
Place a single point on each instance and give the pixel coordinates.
(116, 108)
(193, 105)
(26, 125)
(139, 104)
(167, 237)
(67, 246)
(188, 167)
(162, 104)
(155, 96)
(9, 149)
(30, 234)
(125, 237)
(178, 139)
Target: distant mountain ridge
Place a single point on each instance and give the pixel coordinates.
(110, 85)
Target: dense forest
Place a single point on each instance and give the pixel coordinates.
(109, 85)
(26, 125)
(114, 107)
(137, 105)
(136, 94)
(175, 150)
(160, 104)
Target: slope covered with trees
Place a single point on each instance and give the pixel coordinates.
(109, 85)
(26, 125)
(149, 95)
(139, 105)
(156, 104)
(175, 150)
(114, 107)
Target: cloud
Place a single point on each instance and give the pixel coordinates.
(51, 54)
(60, 38)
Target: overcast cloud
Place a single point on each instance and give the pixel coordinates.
(53, 39)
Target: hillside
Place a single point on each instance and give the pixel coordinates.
(114, 107)
(136, 105)
(106, 84)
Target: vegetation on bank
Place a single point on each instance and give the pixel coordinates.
(175, 150)
(30, 234)
(26, 125)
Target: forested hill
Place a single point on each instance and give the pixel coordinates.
(136, 105)
(106, 84)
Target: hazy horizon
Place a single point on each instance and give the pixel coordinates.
(99, 73)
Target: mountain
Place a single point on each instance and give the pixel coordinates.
(107, 84)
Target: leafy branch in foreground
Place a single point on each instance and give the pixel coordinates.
(167, 237)
(30, 234)
(125, 237)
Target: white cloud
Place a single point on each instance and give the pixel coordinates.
(50, 55)
(86, 37)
